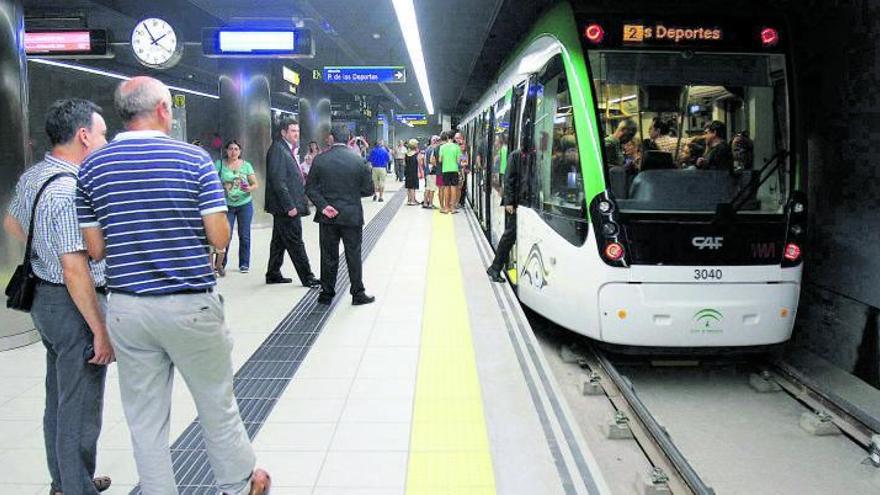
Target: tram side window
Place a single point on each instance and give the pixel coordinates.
(500, 141)
(559, 178)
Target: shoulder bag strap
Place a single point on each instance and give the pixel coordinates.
(30, 238)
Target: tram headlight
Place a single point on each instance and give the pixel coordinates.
(609, 229)
(792, 252)
(769, 36)
(594, 33)
(797, 230)
(613, 251)
(606, 207)
(797, 207)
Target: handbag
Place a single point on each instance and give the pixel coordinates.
(21, 287)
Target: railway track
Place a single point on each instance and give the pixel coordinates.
(673, 471)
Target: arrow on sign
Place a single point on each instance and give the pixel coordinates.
(398, 75)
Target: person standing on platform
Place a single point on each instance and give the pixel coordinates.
(509, 200)
(379, 158)
(449, 155)
(399, 158)
(239, 181)
(286, 201)
(69, 299)
(430, 172)
(411, 171)
(152, 206)
(337, 183)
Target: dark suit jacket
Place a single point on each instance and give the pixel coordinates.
(515, 186)
(284, 184)
(339, 178)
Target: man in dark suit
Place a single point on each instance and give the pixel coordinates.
(338, 180)
(515, 188)
(286, 201)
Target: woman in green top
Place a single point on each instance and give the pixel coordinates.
(239, 181)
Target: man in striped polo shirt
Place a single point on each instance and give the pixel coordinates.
(151, 206)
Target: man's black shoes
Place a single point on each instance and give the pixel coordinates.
(278, 280)
(312, 283)
(495, 276)
(325, 299)
(361, 299)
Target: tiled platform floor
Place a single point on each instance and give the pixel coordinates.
(343, 425)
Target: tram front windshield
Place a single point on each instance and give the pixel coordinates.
(686, 131)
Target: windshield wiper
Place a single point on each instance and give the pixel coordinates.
(725, 212)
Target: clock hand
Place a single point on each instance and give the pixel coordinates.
(156, 40)
(149, 33)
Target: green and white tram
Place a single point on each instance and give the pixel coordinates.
(664, 204)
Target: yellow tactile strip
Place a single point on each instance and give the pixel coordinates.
(449, 445)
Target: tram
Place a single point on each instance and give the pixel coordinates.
(663, 204)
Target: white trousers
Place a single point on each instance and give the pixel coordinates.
(153, 335)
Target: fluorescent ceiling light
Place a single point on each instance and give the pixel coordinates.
(406, 16)
(114, 75)
(623, 99)
(281, 110)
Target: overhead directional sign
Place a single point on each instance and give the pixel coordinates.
(376, 74)
(412, 118)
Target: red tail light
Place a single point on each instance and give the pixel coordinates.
(792, 252)
(769, 36)
(614, 251)
(594, 33)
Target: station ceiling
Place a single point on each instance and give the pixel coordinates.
(453, 33)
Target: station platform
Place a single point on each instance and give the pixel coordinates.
(438, 387)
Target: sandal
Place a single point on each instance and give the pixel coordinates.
(102, 483)
(260, 482)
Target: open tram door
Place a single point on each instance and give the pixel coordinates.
(509, 122)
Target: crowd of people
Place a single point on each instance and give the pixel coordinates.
(121, 236)
(710, 150)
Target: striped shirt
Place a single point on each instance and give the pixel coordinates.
(56, 231)
(148, 194)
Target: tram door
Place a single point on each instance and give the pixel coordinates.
(483, 162)
(500, 140)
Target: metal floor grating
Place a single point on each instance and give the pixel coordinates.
(262, 379)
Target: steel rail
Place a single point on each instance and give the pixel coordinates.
(850, 418)
(652, 438)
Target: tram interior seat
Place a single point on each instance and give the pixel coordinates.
(690, 190)
(657, 160)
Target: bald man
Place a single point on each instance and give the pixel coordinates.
(152, 206)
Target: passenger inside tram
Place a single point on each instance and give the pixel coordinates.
(679, 109)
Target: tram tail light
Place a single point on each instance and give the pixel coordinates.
(769, 37)
(792, 252)
(594, 33)
(613, 251)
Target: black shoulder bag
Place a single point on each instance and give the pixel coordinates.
(20, 290)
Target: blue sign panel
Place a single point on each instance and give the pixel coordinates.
(411, 116)
(385, 75)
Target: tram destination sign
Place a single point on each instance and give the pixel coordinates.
(684, 33)
(662, 33)
(364, 74)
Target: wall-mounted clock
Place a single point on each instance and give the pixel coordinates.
(155, 44)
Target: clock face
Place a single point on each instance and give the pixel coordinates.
(155, 44)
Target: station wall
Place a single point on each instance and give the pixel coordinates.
(49, 83)
(838, 65)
